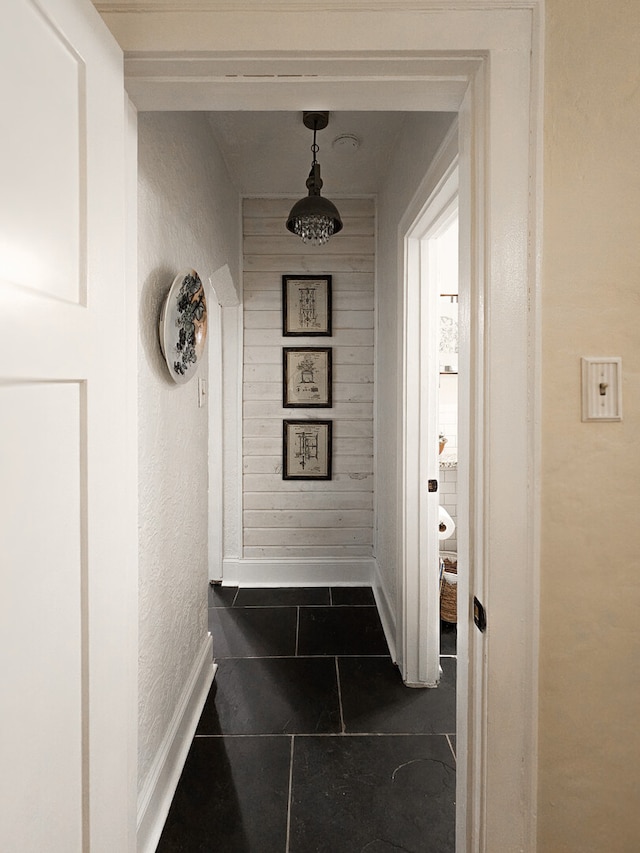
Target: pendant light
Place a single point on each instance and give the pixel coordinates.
(314, 218)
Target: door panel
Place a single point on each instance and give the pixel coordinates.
(41, 123)
(67, 437)
(41, 617)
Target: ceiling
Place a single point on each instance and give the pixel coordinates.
(270, 152)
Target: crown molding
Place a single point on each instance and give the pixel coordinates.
(180, 6)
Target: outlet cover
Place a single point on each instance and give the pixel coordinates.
(601, 389)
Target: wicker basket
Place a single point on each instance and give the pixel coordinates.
(449, 591)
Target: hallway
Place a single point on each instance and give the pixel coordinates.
(309, 742)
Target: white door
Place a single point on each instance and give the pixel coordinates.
(67, 458)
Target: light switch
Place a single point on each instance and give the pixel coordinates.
(202, 391)
(602, 389)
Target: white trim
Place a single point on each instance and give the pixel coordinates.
(418, 604)
(150, 6)
(216, 431)
(129, 673)
(287, 572)
(470, 706)
(386, 613)
(161, 783)
(224, 425)
(503, 113)
(232, 352)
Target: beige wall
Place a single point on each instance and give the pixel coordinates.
(589, 771)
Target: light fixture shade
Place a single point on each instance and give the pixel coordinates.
(314, 219)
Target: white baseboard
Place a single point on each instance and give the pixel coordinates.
(286, 572)
(386, 612)
(161, 783)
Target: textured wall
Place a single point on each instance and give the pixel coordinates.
(299, 519)
(589, 773)
(185, 199)
(419, 141)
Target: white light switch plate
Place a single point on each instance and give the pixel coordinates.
(602, 389)
(202, 391)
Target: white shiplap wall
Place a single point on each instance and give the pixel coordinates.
(284, 519)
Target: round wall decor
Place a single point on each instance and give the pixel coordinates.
(183, 326)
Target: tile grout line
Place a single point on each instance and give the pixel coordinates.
(315, 734)
(286, 849)
(290, 657)
(342, 725)
(297, 630)
(453, 752)
(235, 596)
(330, 598)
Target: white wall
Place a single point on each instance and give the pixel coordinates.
(315, 524)
(418, 143)
(187, 207)
(449, 500)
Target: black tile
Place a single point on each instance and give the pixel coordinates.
(289, 596)
(378, 794)
(361, 595)
(253, 632)
(448, 638)
(341, 631)
(374, 699)
(273, 696)
(232, 796)
(221, 596)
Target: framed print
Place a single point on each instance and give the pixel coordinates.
(306, 450)
(306, 305)
(306, 377)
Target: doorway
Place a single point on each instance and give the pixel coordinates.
(429, 268)
(500, 507)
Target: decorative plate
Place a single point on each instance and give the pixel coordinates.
(183, 326)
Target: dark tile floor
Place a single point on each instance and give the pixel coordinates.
(309, 742)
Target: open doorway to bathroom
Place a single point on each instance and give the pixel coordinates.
(444, 249)
(430, 429)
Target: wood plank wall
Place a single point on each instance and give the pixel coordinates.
(283, 518)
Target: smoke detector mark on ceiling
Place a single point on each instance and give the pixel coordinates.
(346, 142)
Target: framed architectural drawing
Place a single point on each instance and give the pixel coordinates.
(306, 305)
(306, 450)
(306, 377)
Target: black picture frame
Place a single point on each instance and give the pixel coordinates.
(306, 377)
(306, 449)
(306, 306)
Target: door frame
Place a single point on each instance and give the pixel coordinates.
(418, 607)
(483, 59)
